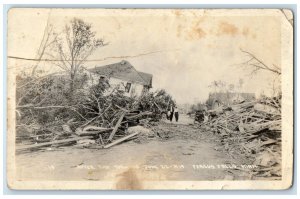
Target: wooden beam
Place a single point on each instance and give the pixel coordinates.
(121, 140)
(138, 115)
(96, 128)
(50, 143)
(101, 140)
(116, 126)
(86, 133)
(123, 109)
(157, 106)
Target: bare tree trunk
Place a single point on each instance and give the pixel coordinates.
(71, 94)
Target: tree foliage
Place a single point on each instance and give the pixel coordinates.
(76, 44)
(159, 100)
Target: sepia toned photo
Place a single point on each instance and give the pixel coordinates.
(149, 99)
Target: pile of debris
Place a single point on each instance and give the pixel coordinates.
(99, 118)
(90, 136)
(252, 129)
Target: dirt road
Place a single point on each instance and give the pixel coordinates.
(177, 152)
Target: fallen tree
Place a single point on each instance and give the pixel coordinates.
(46, 115)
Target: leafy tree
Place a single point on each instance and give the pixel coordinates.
(78, 43)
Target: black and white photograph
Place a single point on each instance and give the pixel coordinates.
(149, 99)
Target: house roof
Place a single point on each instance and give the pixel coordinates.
(125, 71)
(147, 77)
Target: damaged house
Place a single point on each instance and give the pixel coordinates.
(123, 76)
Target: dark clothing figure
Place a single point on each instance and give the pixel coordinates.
(176, 113)
(176, 116)
(171, 116)
(171, 113)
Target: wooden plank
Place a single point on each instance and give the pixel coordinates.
(50, 143)
(270, 141)
(121, 140)
(95, 128)
(123, 109)
(101, 140)
(138, 115)
(116, 127)
(87, 133)
(157, 106)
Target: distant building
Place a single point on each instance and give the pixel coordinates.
(217, 99)
(125, 76)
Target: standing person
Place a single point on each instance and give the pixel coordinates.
(171, 112)
(176, 113)
(168, 114)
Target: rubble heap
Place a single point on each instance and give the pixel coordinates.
(252, 129)
(99, 118)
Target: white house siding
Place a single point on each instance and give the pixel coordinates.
(136, 89)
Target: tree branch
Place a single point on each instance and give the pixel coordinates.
(258, 64)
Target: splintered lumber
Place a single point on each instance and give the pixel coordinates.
(123, 109)
(138, 115)
(244, 105)
(95, 128)
(251, 128)
(50, 143)
(101, 140)
(84, 132)
(116, 126)
(266, 109)
(121, 140)
(157, 106)
(271, 141)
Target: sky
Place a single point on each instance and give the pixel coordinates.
(184, 50)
